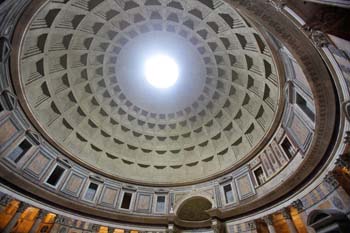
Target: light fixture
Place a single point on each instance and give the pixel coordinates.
(161, 71)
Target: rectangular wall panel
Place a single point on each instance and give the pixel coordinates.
(9, 130)
(38, 164)
(143, 203)
(74, 184)
(109, 196)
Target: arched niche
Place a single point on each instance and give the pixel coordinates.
(328, 221)
(194, 209)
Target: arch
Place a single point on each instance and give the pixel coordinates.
(193, 195)
(194, 209)
(328, 220)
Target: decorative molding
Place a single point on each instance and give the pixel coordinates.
(97, 178)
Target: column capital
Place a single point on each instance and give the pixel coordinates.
(252, 225)
(286, 213)
(60, 219)
(5, 200)
(298, 204)
(268, 219)
(95, 227)
(42, 213)
(22, 207)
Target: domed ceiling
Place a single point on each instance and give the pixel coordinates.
(82, 77)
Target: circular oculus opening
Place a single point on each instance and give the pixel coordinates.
(161, 71)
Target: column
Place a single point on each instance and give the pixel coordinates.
(269, 222)
(111, 230)
(21, 208)
(4, 201)
(289, 220)
(252, 227)
(298, 204)
(39, 219)
(343, 165)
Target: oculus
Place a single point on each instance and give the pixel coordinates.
(161, 71)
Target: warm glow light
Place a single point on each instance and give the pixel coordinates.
(161, 71)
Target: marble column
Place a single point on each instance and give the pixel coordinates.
(21, 208)
(269, 222)
(39, 219)
(4, 201)
(291, 226)
(298, 204)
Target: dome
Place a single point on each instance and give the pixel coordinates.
(169, 116)
(81, 72)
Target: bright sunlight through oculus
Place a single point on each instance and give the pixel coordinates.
(161, 71)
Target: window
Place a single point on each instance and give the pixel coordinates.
(287, 148)
(160, 206)
(20, 150)
(228, 193)
(305, 106)
(55, 176)
(126, 201)
(259, 175)
(91, 192)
